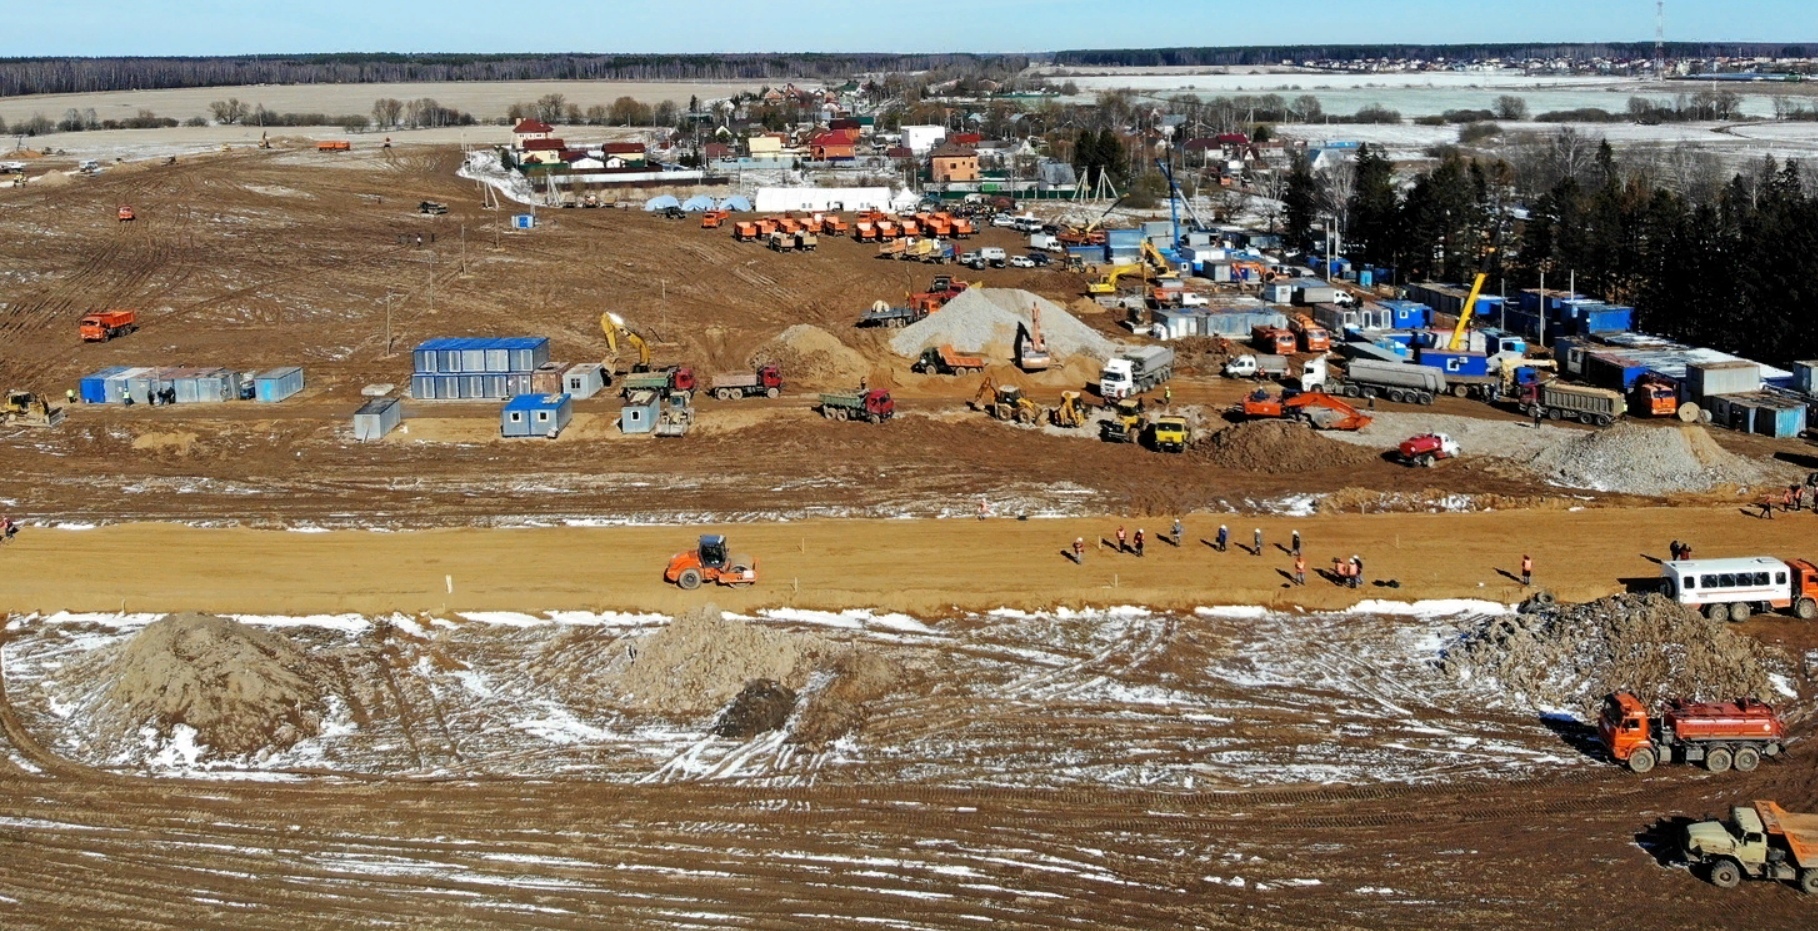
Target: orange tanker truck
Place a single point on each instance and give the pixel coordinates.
(1721, 735)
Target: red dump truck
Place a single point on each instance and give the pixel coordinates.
(767, 381)
(107, 324)
(1720, 734)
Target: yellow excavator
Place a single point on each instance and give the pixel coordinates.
(1068, 414)
(1107, 282)
(1006, 402)
(616, 331)
(1158, 263)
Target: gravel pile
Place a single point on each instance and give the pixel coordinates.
(1571, 656)
(1628, 458)
(1640, 460)
(986, 320)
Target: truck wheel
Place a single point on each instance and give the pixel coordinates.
(1725, 874)
(1717, 612)
(1805, 609)
(1425, 397)
(1808, 881)
(1394, 394)
(771, 392)
(1553, 413)
(840, 413)
(1427, 460)
(689, 579)
(1741, 611)
(1459, 391)
(1584, 417)
(1718, 760)
(1746, 759)
(1641, 760)
(1604, 420)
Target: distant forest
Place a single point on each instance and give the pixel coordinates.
(20, 76)
(1276, 54)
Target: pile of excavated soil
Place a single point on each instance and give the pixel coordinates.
(1571, 656)
(838, 707)
(986, 320)
(1647, 460)
(242, 689)
(701, 660)
(814, 357)
(764, 705)
(1278, 446)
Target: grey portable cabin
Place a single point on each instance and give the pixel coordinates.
(639, 415)
(273, 385)
(584, 380)
(376, 418)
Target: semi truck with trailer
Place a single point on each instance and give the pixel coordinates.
(1397, 381)
(1133, 370)
(1556, 400)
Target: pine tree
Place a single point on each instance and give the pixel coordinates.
(1300, 202)
(1374, 208)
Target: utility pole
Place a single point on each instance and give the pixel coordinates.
(388, 322)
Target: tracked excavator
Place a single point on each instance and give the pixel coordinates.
(1032, 351)
(617, 332)
(1316, 409)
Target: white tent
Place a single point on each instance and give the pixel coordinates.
(698, 203)
(662, 202)
(779, 199)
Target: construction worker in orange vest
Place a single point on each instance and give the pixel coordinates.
(1527, 569)
(1300, 569)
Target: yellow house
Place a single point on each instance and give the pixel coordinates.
(767, 144)
(950, 162)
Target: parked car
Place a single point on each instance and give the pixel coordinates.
(1004, 220)
(972, 260)
(1021, 261)
(1038, 259)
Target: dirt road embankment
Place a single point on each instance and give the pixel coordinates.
(921, 567)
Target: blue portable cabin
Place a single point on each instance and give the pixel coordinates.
(1408, 315)
(1534, 302)
(639, 415)
(1613, 370)
(274, 385)
(92, 389)
(542, 415)
(480, 355)
(1455, 363)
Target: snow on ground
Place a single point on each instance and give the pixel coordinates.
(1225, 698)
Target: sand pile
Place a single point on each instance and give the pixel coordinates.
(986, 320)
(762, 706)
(698, 663)
(812, 356)
(1647, 460)
(1571, 656)
(838, 707)
(1278, 446)
(241, 688)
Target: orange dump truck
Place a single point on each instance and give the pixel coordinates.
(1721, 735)
(334, 145)
(107, 324)
(1273, 340)
(1313, 337)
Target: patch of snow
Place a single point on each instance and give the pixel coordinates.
(1239, 612)
(1431, 608)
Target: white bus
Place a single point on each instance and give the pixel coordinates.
(1738, 588)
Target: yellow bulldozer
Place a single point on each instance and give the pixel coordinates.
(28, 409)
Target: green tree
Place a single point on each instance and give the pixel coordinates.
(1375, 209)
(1300, 202)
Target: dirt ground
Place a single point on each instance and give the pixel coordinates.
(1027, 750)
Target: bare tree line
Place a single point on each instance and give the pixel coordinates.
(19, 76)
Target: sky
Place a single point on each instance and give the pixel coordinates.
(222, 27)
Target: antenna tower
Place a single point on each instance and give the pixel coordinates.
(1659, 40)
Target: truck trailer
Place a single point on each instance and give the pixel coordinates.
(1556, 400)
(766, 381)
(1397, 381)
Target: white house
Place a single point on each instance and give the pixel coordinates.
(922, 139)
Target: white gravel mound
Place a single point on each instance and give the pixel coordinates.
(986, 319)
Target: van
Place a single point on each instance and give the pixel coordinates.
(994, 255)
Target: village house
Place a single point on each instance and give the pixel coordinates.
(624, 155)
(836, 143)
(530, 131)
(950, 162)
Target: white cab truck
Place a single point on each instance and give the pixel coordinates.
(1133, 370)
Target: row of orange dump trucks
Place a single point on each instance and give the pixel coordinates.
(868, 226)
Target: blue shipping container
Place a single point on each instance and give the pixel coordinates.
(1409, 314)
(93, 388)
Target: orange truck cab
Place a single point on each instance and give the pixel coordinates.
(1274, 340)
(1721, 735)
(105, 325)
(1653, 397)
(832, 225)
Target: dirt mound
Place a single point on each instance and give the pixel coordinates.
(1647, 460)
(242, 689)
(987, 319)
(1278, 446)
(813, 356)
(1572, 655)
(763, 705)
(838, 708)
(698, 663)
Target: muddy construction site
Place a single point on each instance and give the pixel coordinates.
(257, 674)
